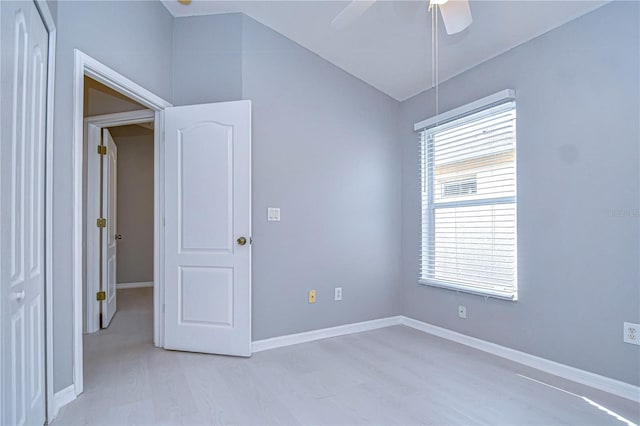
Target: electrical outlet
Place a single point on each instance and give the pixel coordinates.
(462, 311)
(312, 296)
(631, 333)
(338, 293)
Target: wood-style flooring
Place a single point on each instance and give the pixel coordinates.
(391, 376)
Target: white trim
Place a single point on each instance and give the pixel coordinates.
(323, 333)
(122, 118)
(77, 235)
(158, 227)
(49, 22)
(122, 286)
(250, 230)
(503, 95)
(111, 78)
(606, 384)
(62, 398)
(85, 65)
(596, 381)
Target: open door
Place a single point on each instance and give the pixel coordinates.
(207, 228)
(109, 241)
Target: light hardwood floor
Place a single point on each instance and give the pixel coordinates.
(390, 376)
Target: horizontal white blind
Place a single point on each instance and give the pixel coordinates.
(469, 203)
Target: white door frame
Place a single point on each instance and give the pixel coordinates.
(93, 128)
(84, 65)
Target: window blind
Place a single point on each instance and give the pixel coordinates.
(469, 203)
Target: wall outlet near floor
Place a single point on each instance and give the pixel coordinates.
(312, 296)
(338, 293)
(462, 311)
(631, 333)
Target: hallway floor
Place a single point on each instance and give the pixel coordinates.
(389, 376)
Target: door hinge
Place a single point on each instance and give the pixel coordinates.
(102, 150)
(101, 222)
(101, 295)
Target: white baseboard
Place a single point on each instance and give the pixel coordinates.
(62, 398)
(324, 333)
(120, 286)
(606, 384)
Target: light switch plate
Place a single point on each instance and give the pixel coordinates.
(273, 214)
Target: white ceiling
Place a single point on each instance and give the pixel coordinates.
(389, 47)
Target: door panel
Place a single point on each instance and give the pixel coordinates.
(17, 404)
(207, 207)
(206, 296)
(24, 51)
(109, 242)
(36, 131)
(205, 152)
(17, 285)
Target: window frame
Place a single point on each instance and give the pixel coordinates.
(427, 153)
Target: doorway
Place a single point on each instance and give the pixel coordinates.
(119, 219)
(85, 66)
(119, 225)
(201, 220)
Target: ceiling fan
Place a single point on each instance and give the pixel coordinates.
(456, 14)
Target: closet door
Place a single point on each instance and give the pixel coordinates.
(24, 52)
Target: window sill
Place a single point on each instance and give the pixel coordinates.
(464, 289)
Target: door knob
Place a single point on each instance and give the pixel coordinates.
(241, 241)
(118, 236)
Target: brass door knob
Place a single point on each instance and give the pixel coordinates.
(241, 241)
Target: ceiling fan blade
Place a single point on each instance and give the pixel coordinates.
(456, 15)
(351, 12)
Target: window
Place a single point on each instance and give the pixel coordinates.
(469, 202)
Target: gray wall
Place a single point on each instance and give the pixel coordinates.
(135, 203)
(134, 38)
(578, 138)
(207, 59)
(53, 8)
(325, 151)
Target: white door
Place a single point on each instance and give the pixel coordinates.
(24, 52)
(109, 241)
(207, 228)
